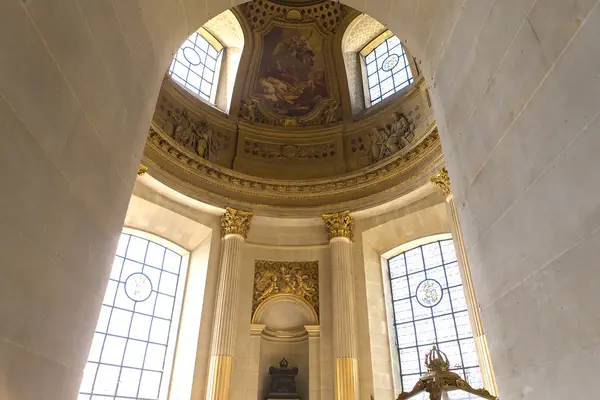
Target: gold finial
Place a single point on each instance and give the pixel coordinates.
(442, 180)
(339, 225)
(235, 222)
(142, 170)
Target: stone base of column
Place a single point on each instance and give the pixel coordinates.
(346, 379)
(219, 378)
(485, 365)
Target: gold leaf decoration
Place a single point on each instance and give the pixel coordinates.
(296, 278)
(235, 222)
(339, 225)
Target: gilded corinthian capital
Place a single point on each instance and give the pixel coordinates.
(339, 225)
(235, 222)
(442, 180)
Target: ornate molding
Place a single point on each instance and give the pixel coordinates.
(339, 225)
(296, 278)
(442, 180)
(235, 179)
(235, 222)
(327, 14)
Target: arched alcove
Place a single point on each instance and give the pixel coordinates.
(284, 320)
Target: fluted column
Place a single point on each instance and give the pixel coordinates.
(234, 229)
(339, 227)
(442, 180)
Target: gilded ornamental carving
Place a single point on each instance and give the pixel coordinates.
(442, 180)
(142, 170)
(278, 151)
(297, 278)
(235, 222)
(339, 225)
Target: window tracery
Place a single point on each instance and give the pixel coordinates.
(387, 68)
(429, 308)
(197, 63)
(133, 346)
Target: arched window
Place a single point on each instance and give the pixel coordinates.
(386, 67)
(206, 64)
(377, 65)
(132, 352)
(429, 308)
(197, 64)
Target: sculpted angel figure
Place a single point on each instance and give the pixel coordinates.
(267, 285)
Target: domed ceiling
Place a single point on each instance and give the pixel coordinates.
(292, 142)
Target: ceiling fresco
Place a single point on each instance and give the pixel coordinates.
(292, 77)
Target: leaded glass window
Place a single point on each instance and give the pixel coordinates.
(133, 346)
(196, 65)
(387, 69)
(430, 308)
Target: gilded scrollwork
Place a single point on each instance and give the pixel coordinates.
(296, 278)
(442, 180)
(235, 222)
(339, 225)
(328, 14)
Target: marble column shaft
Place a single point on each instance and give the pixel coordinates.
(234, 225)
(442, 180)
(344, 325)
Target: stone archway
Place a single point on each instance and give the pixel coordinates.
(516, 102)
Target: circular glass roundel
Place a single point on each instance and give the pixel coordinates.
(390, 62)
(191, 56)
(429, 293)
(138, 287)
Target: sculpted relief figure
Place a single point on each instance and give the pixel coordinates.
(391, 139)
(248, 111)
(195, 136)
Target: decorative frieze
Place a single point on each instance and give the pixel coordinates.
(287, 151)
(339, 225)
(442, 180)
(142, 170)
(297, 278)
(235, 222)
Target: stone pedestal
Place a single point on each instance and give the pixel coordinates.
(234, 229)
(339, 227)
(283, 382)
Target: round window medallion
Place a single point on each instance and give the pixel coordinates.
(191, 56)
(429, 293)
(390, 62)
(138, 287)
